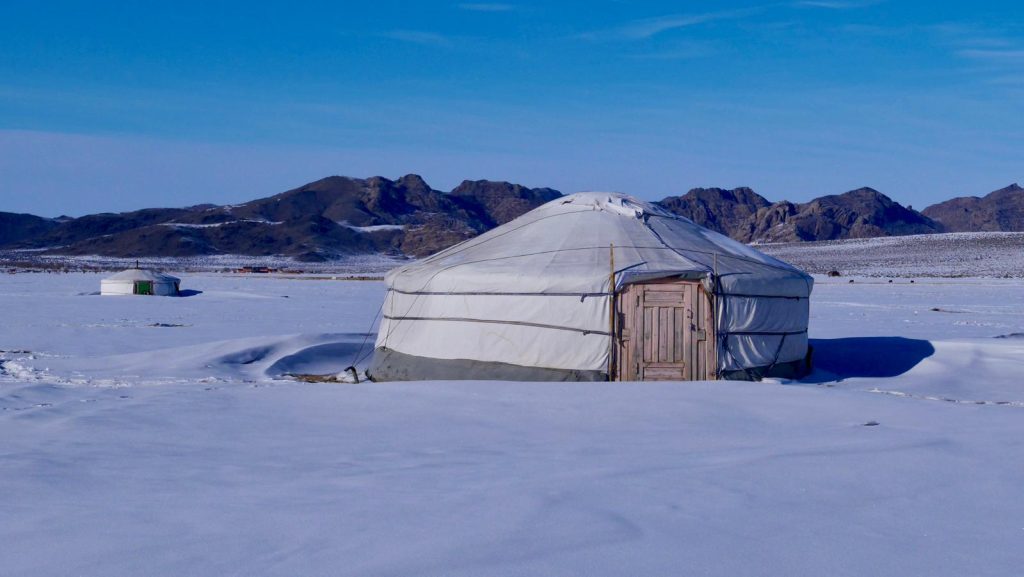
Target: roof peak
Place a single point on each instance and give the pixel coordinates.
(613, 202)
(142, 274)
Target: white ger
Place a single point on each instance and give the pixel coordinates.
(137, 281)
(595, 286)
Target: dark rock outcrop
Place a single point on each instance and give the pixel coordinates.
(501, 202)
(748, 217)
(770, 224)
(998, 211)
(721, 210)
(861, 213)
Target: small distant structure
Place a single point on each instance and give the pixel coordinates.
(834, 273)
(256, 270)
(138, 281)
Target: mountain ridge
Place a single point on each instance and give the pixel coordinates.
(1000, 210)
(339, 216)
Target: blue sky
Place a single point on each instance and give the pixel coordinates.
(111, 106)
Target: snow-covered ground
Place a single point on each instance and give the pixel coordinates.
(159, 436)
(956, 254)
(33, 259)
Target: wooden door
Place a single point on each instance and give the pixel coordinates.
(666, 332)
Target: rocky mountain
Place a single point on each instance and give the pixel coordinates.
(501, 201)
(69, 231)
(748, 217)
(1001, 210)
(724, 211)
(340, 216)
(330, 218)
(861, 213)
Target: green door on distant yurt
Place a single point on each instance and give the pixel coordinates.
(143, 287)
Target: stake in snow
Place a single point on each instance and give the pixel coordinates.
(594, 287)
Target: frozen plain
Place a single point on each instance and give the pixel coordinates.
(156, 436)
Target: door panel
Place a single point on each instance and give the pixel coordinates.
(664, 331)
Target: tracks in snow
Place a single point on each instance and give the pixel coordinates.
(945, 399)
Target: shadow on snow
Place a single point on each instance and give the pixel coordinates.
(326, 358)
(839, 359)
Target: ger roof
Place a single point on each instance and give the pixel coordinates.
(135, 274)
(564, 246)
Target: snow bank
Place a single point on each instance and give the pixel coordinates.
(220, 224)
(245, 360)
(372, 228)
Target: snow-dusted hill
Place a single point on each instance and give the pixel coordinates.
(31, 260)
(158, 436)
(961, 254)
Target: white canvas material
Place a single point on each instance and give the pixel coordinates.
(535, 291)
(123, 283)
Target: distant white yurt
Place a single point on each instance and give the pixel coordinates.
(137, 281)
(595, 286)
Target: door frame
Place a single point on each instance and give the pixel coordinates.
(629, 322)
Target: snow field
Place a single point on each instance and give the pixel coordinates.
(136, 449)
(955, 254)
